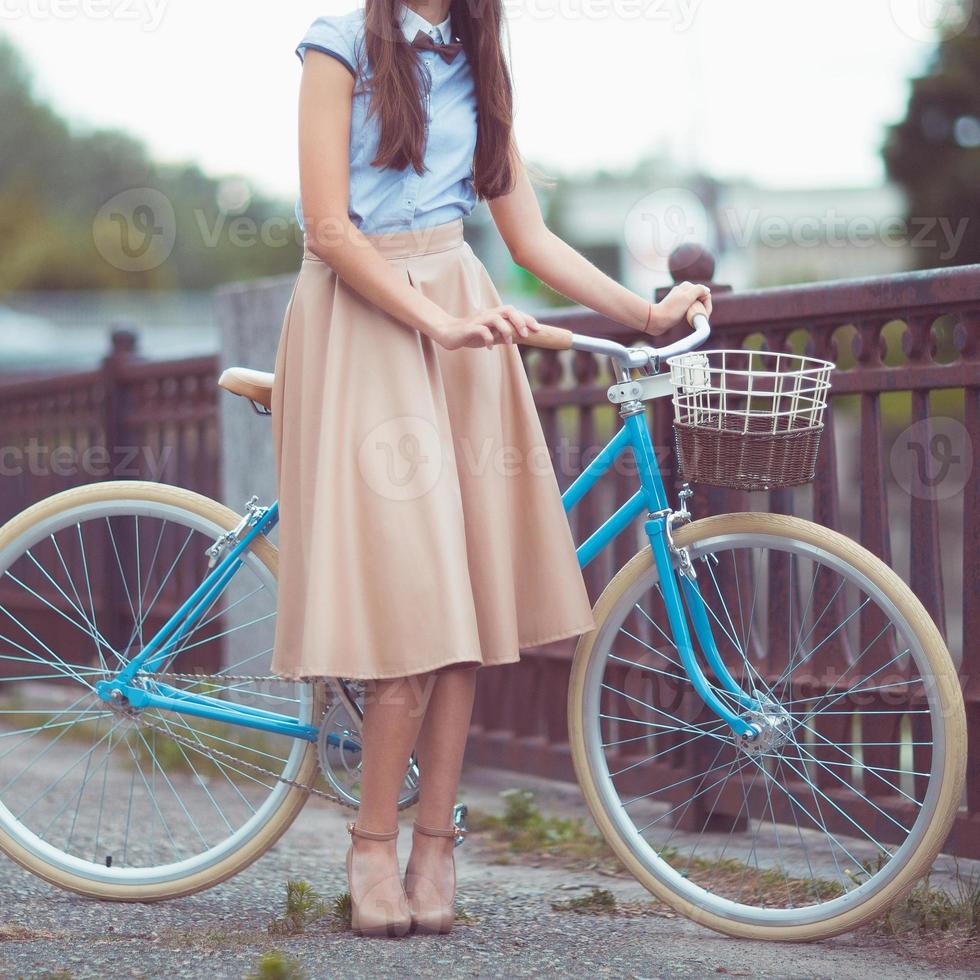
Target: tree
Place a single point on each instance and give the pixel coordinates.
(934, 154)
(54, 183)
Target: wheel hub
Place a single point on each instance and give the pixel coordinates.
(772, 728)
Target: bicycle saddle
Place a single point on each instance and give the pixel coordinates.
(254, 385)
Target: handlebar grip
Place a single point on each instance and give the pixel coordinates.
(548, 338)
(698, 309)
(698, 319)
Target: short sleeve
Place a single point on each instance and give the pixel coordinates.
(331, 36)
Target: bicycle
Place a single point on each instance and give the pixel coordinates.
(726, 782)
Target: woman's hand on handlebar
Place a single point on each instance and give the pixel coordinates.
(497, 325)
(673, 309)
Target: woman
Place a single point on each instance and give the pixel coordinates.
(422, 533)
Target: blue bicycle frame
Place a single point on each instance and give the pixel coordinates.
(679, 592)
(634, 437)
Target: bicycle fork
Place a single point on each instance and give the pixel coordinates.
(679, 588)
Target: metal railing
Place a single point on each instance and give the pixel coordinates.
(897, 470)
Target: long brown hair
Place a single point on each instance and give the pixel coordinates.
(398, 87)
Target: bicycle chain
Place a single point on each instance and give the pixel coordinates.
(196, 746)
(219, 677)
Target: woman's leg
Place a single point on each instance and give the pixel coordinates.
(430, 875)
(393, 713)
(441, 742)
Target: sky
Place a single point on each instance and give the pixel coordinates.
(778, 92)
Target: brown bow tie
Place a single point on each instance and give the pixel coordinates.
(445, 51)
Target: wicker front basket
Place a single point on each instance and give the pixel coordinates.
(747, 460)
(747, 419)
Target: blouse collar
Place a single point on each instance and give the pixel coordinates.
(411, 23)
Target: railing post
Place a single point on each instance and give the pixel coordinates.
(121, 352)
(690, 263)
(967, 338)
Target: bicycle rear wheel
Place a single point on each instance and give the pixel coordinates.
(844, 802)
(138, 805)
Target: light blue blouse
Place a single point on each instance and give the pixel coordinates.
(385, 200)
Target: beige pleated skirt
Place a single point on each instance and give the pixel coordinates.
(421, 522)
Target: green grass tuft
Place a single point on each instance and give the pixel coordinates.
(275, 965)
(523, 829)
(933, 910)
(341, 910)
(464, 917)
(599, 901)
(303, 907)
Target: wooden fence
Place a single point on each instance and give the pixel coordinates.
(909, 366)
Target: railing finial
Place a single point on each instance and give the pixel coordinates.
(693, 263)
(123, 340)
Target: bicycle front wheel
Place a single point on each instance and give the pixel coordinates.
(125, 804)
(844, 801)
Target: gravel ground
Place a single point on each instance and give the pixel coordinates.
(514, 931)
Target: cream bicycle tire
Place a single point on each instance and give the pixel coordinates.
(765, 527)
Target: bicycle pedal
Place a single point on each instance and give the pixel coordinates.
(460, 813)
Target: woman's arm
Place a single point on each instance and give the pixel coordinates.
(535, 248)
(324, 161)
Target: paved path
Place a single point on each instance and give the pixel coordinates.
(514, 932)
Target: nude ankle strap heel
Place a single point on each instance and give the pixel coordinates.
(375, 920)
(455, 832)
(435, 919)
(356, 831)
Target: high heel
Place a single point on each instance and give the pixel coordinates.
(374, 919)
(436, 919)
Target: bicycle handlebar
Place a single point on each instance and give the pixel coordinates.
(697, 317)
(558, 338)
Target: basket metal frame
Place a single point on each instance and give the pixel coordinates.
(723, 389)
(748, 419)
